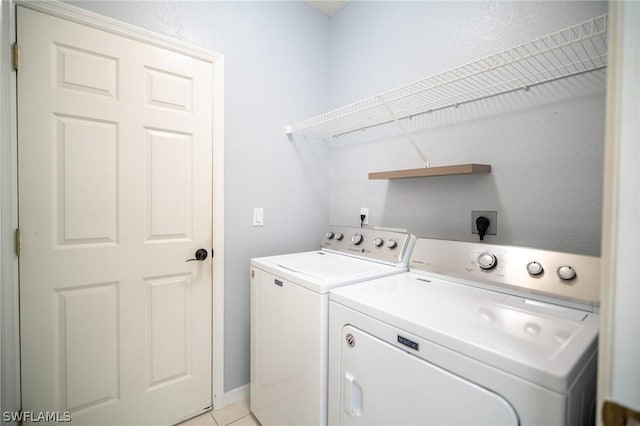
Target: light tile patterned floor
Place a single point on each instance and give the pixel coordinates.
(237, 414)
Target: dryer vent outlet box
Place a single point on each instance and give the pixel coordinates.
(493, 221)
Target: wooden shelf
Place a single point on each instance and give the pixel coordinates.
(456, 169)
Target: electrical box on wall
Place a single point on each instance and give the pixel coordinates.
(364, 216)
(493, 221)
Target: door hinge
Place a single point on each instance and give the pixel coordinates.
(18, 242)
(15, 55)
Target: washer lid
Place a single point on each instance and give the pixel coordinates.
(544, 343)
(321, 271)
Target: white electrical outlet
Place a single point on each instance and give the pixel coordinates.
(365, 211)
(258, 216)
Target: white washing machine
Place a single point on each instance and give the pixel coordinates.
(473, 334)
(289, 317)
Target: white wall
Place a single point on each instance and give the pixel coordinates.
(275, 56)
(545, 146)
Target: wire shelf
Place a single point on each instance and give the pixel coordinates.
(575, 50)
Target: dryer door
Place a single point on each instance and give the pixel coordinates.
(384, 385)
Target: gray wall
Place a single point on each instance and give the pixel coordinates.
(276, 56)
(545, 146)
(285, 62)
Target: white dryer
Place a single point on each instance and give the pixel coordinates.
(473, 334)
(290, 316)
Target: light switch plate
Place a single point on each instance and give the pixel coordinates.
(258, 216)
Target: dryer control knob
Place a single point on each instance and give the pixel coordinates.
(339, 236)
(378, 242)
(392, 244)
(487, 260)
(356, 239)
(534, 268)
(566, 273)
(329, 235)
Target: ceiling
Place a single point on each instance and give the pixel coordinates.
(328, 7)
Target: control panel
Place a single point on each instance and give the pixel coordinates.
(572, 277)
(383, 245)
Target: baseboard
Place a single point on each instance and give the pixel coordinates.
(235, 395)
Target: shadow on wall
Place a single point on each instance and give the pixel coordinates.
(410, 203)
(584, 85)
(545, 148)
(546, 153)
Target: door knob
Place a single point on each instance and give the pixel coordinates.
(201, 254)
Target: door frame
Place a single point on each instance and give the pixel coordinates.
(9, 302)
(619, 275)
(9, 184)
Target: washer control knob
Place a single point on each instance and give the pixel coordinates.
(487, 260)
(378, 242)
(566, 272)
(392, 244)
(356, 239)
(329, 235)
(339, 236)
(534, 268)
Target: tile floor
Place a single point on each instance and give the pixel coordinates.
(237, 414)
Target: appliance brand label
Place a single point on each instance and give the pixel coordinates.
(410, 343)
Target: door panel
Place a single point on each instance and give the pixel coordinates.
(168, 345)
(115, 140)
(169, 91)
(87, 178)
(169, 202)
(87, 316)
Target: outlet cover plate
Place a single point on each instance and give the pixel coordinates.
(365, 212)
(493, 221)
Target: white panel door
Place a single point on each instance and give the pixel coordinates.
(384, 385)
(115, 154)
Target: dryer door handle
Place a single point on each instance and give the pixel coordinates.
(352, 396)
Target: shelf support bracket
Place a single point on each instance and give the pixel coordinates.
(404, 131)
(288, 130)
